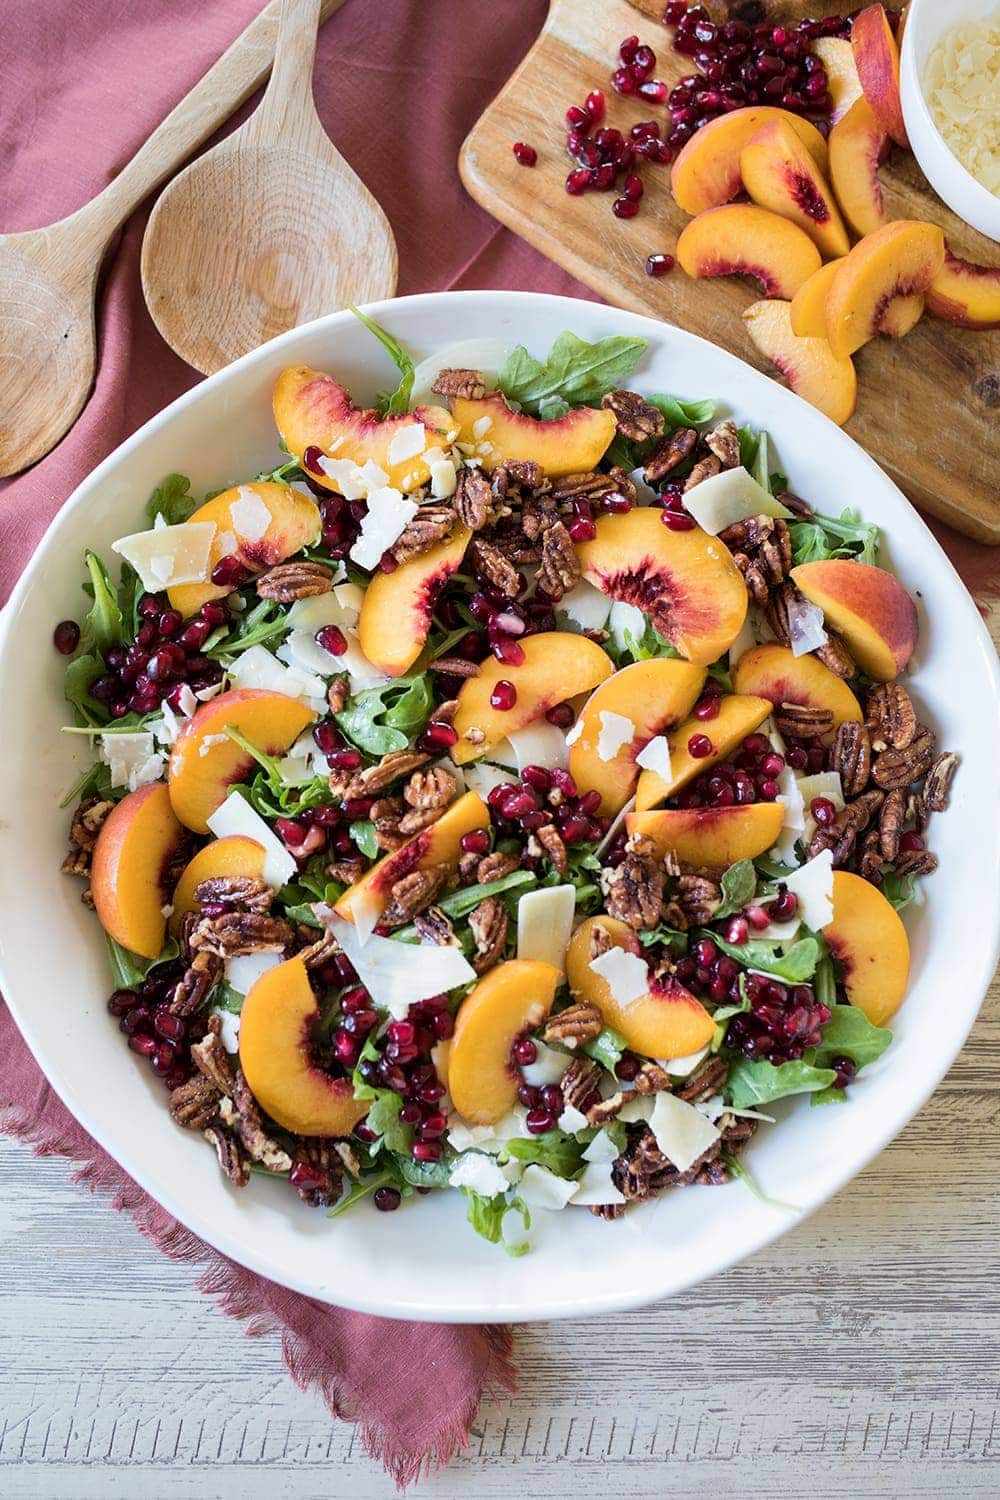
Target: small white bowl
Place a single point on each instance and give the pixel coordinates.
(926, 23)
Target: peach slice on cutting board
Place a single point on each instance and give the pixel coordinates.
(135, 848)
(512, 998)
(965, 293)
(706, 173)
(876, 58)
(868, 607)
(205, 762)
(739, 715)
(808, 310)
(869, 941)
(843, 83)
(652, 696)
(276, 1055)
(779, 174)
(571, 444)
(857, 145)
(714, 837)
(772, 672)
(312, 410)
(665, 1022)
(395, 617)
(556, 666)
(809, 365)
(686, 581)
(742, 239)
(294, 523)
(234, 857)
(899, 259)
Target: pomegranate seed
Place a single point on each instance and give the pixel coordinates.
(624, 208)
(228, 572)
(823, 811)
(628, 1067)
(784, 906)
(332, 639)
(845, 1069)
(576, 830)
(704, 952)
(66, 637)
(524, 1052)
(143, 1043)
(434, 1126)
(507, 650)
(675, 12)
(562, 716)
(122, 1001)
(345, 1048)
(427, 1150)
(737, 930)
(365, 1133)
(578, 182)
(476, 842)
(653, 90)
(595, 104)
(910, 843)
(659, 264)
(311, 458)
(552, 1098)
(540, 1120)
(503, 696)
(387, 1199)
(437, 737)
(633, 186)
(582, 530)
(528, 1095)
(708, 708)
(538, 778)
(623, 81)
(524, 154)
(444, 1026)
(293, 832)
(172, 1028)
(346, 759)
(699, 745)
(758, 917)
(677, 520)
(357, 807)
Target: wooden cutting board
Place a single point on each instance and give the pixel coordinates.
(928, 406)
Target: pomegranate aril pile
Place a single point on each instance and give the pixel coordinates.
(152, 1032)
(404, 1065)
(750, 776)
(165, 655)
(605, 158)
(542, 797)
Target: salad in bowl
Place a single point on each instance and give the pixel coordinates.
(513, 792)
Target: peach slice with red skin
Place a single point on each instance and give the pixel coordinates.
(395, 617)
(715, 837)
(205, 762)
(666, 1022)
(654, 696)
(739, 715)
(876, 58)
(809, 365)
(868, 940)
(808, 310)
(780, 175)
(686, 581)
(901, 315)
(571, 444)
(312, 410)
(232, 858)
(294, 524)
(897, 260)
(556, 666)
(706, 173)
(858, 144)
(868, 607)
(772, 672)
(137, 843)
(276, 1055)
(512, 998)
(439, 844)
(965, 293)
(842, 81)
(742, 239)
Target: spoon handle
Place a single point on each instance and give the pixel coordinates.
(287, 110)
(228, 82)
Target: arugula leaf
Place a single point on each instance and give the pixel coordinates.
(552, 408)
(94, 782)
(825, 982)
(849, 1033)
(229, 999)
(390, 403)
(739, 886)
(172, 499)
(265, 622)
(378, 728)
(829, 1096)
(128, 969)
(411, 711)
(577, 372)
(362, 831)
(560, 1153)
(760, 1082)
(722, 676)
(267, 763)
(486, 1215)
(796, 965)
(103, 626)
(629, 455)
(823, 537)
(287, 473)
(606, 1048)
(460, 903)
(649, 646)
(738, 1169)
(425, 1173)
(80, 674)
(899, 890)
(383, 1118)
(388, 1177)
(676, 940)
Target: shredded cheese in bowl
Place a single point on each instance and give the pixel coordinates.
(962, 86)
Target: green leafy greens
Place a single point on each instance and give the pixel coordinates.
(574, 374)
(172, 499)
(390, 403)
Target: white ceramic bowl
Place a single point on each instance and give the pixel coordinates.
(926, 21)
(424, 1262)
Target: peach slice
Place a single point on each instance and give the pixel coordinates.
(779, 174)
(876, 58)
(653, 696)
(440, 844)
(556, 666)
(739, 715)
(134, 850)
(513, 997)
(232, 858)
(843, 83)
(205, 762)
(312, 410)
(572, 444)
(686, 581)
(667, 1022)
(711, 837)
(900, 258)
(276, 1056)
(772, 672)
(965, 293)
(742, 239)
(808, 312)
(294, 524)
(857, 145)
(901, 315)
(869, 940)
(809, 365)
(868, 607)
(395, 617)
(707, 170)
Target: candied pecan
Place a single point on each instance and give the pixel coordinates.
(776, 611)
(643, 1170)
(212, 1060)
(652, 1079)
(846, 828)
(319, 950)
(852, 758)
(607, 1211)
(337, 694)
(762, 550)
(511, 539)
(194, 1104)
(468, 865)
(234, 892)
(232, 1158)
(891, 717)
(435, 927)
(890, 824)
(495, 866)
(538, 513)
(347, 871)
(634, 889)
(473, 499)
(708, 1078)
(199, 979)
(580, 1083)
(670, 453)
(724, 442)
(88, 820)
(385, 816)
(434, 787)
(796, 505)
(468, 385)
(916, 862)
(430, 525)
(238, 932)
(87, 897)
(323, 1156)
(573, 1026)
(455, 666)
(417, 819)
(835, 657)
(412, 894)
(77, 862)
(249, 1126)
(634, 418)
(705, 468)
(938, 783)
(491, 565)
(516, 471)
(549, 844)
(917, 811)
(603, 1110)
(694, 902)
(801, 722)
(489, 928)
(295, 580)
(870, 857)
(389, 769)
(896, 768)
(559, 568)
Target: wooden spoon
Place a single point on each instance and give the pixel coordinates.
(268, 229)
(48, 276)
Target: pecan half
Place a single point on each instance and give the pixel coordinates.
(389, 769)
(494, 568)
(347, 871)
(705, 468)
(249, 1126)
(199, 979)
(238, 932)
(707, 1079)
(295, 580)
(870, 857)
(897, 768)
(634, 418)
(852, 758)
(455, 666)
(495, 866)
(412, 894)
(431, 524)
(212, 1060)
(232, 1158)
(489, 924)
(580, 1083)
(634, 889)
(435, 928)
(417, 819)
(802, 722)
(724, 442)
(694, 902)
(916, 862)
(337, 694)
(652, 1079)
(589, 484)
(325, 1183)
(386, 816)
(194, 1104)
(473, 499)
(88, 820)
(516, 471)
(468, 385)
(890, 824)
(319, 951)
(835, 657)
(603, 1110)
(234, 893)
(939, 779)
(670, 454)
(549, 843)
(891, 717)
(574, 1026)
(434, 788)
(559, 568)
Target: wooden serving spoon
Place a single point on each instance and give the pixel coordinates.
(268, 229)
(48, 276)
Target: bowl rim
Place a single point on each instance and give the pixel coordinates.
(242, 1250)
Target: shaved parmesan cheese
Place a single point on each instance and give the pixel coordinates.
(813, 884)
(824, 784)
(805, 626)
(538, 744)
(540, 1188)
(374, 477)
(479, 1173)
(486, 356)
(790, 797)
(682, 1132)
(444, 478)
(397, 974)
(481, 427)
(726, 498)
(131, 759)
(624, 973)
(169, 555)
(257, 668)
(226, 544)
(683, 1067)
(388, 516)
(249, 515)
(482, 777)
(346, 476)
(545, 924)
(572, 1119)
(962, 84)
(574, 733)
(243, 971)
(492, 1138)
(236, 816)
(361, 672)
(602, 1148)
(548, 1067)
(595, 1186)
(626, 619)
(636, 1111)
(616, 732)
(408, 442)
(656, 757)
(229, 1029)
(366, 909)
(585, 607)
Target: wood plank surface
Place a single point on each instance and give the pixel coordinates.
(927, 405)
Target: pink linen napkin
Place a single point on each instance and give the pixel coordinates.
(398, 85)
